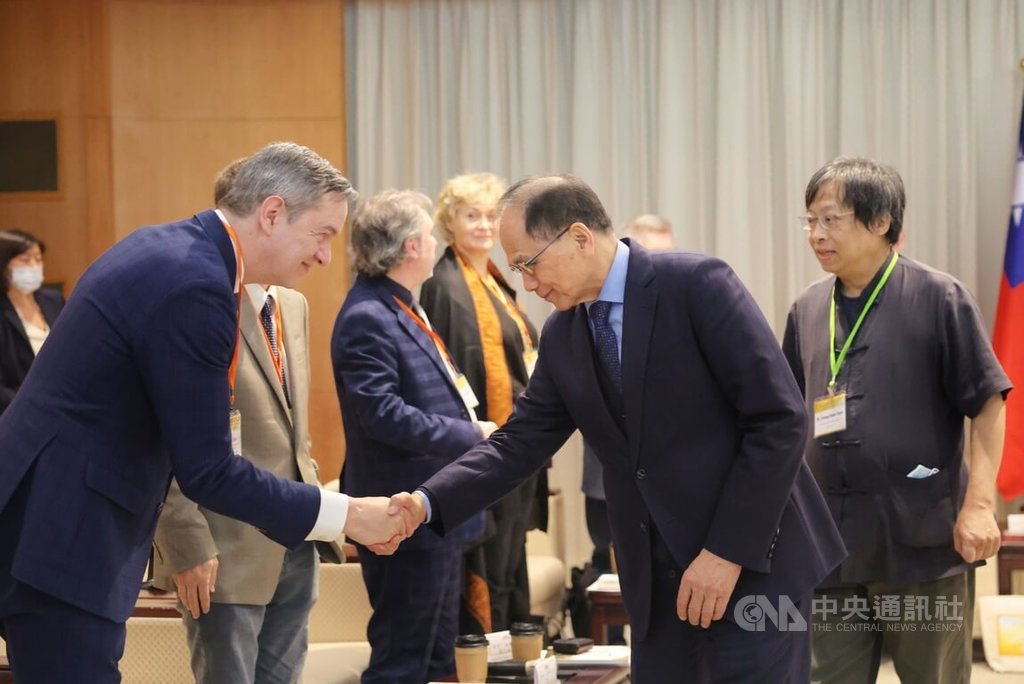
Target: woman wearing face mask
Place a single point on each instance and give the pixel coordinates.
(26, 312)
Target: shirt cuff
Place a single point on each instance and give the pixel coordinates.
(426, 504)
(330, 521)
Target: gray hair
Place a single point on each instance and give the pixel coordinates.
(381, 226)
(646, 223)
(872, 190)
(297, 174)
(553, 202)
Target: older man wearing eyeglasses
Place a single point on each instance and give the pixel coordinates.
(891, 356)
(666, 365)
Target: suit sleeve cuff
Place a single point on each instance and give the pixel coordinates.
(425, 496)
(330, 521)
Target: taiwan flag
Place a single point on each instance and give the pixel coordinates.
(1008, 339)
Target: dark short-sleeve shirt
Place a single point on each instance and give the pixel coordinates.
(919, 365)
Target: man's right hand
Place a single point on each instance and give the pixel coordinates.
(412, 511)
(411, 507)
(195, 586)
(375, 524)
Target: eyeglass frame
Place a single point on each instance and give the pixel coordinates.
(526, 267)
(806, 222)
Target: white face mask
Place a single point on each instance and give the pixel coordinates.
(27, 278)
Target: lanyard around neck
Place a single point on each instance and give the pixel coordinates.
(837, 363)
(239, 275)
(438, 342)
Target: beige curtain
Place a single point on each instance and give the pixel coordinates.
(712, 113)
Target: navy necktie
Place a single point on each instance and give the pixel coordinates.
(606, 342)
(267, 319)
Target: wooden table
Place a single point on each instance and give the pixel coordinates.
(1010, 558)
(588, 674)
(5, 671)
(156, 603)
(606, 608)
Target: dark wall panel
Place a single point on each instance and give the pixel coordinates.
(28, 156)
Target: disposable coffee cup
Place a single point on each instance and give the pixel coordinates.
(471, 657)
(527, 640)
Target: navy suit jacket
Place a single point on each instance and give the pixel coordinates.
(130, 387)
(16, 355)
(404, 419)
(712, 454)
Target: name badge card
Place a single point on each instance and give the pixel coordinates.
(468, 396)
(499, 646)
(235, 419)
(830, 414)
(545, 670)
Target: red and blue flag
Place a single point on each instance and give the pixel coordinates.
(1008, 339)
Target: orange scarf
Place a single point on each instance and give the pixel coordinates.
(498, 379)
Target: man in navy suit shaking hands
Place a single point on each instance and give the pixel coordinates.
(135, 384)
(665, 364)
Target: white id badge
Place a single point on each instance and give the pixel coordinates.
(530, 360)
(465, 391)
(235, 417)
(830, 414)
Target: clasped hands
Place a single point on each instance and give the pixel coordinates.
(381, 524)
(377, 522)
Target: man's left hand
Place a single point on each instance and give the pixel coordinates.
(705, 589)
(976, 535)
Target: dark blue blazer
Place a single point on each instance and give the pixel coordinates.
(16, 355)
(404, 419)
(712, 453)
(130, 387)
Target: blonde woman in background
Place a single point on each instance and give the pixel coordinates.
(474, 310)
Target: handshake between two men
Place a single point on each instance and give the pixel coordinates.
(381, 524)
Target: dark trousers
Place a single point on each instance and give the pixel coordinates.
(926, 630)
(415, 600)
(50, 641)
(674, 651)
(505, 556)
(600, 530)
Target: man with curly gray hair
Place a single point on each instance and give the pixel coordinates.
(408, 411)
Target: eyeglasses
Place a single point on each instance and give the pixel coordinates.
(827, 222)
(526, 267)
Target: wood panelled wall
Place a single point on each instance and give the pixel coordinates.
(154, 97)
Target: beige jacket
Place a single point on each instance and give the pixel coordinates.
(273, 438)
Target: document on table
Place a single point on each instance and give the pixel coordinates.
(598, 655)
(606, 582)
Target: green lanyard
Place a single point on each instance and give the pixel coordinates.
(838, 363)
